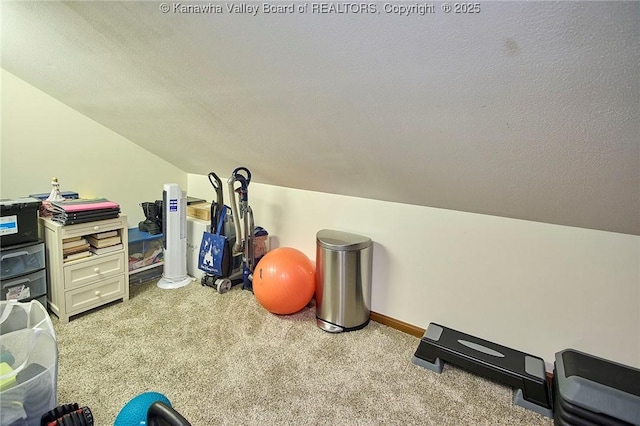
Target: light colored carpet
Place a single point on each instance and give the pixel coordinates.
(224, 360)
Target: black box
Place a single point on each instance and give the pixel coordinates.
(19, 221)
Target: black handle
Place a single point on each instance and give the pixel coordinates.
(217, 185)
(160, 414)
(217, 205)
(246, 171)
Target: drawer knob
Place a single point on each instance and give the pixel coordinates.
(95, 228)
(97, 293)
(96, 270)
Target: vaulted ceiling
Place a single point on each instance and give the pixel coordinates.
(527, 110)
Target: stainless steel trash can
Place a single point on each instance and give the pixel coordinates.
(343, 280)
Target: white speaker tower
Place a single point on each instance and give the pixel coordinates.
(174, 228)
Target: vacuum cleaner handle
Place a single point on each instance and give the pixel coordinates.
(245, 180)
(219, 203)
(235, 213)
(241, 206)
(160, 414)
(247, 173)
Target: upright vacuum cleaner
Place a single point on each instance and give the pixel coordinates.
(221, 266)
(229, 256)
(242, 211)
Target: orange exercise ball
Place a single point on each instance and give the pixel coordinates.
(284, 281)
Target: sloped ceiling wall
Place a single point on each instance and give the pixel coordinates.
(527, 110)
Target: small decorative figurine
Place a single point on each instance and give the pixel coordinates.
(55, 194)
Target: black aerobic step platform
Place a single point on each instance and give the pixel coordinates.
(523, 372)
(567, 414)
(594, 391)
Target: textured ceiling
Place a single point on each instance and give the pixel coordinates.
(527, 110)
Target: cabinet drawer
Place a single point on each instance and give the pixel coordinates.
(81, 299)
(104, 266)
(93, 227)
(25, 287)
(21, 260)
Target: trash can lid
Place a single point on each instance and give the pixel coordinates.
(338, 240)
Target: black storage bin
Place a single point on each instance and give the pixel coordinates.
(19, 221)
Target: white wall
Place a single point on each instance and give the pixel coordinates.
(531, 286)
(43, 138)
(535, 287)
(528, 109)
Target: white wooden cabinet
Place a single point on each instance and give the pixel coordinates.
(80, 285)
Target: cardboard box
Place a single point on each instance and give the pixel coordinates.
(200, 211)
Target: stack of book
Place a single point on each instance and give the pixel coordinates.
(75, 248)
(82, 210)
(104, 242)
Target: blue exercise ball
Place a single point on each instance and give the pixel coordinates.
(134, 413)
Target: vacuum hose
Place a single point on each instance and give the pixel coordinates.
(236, 213)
